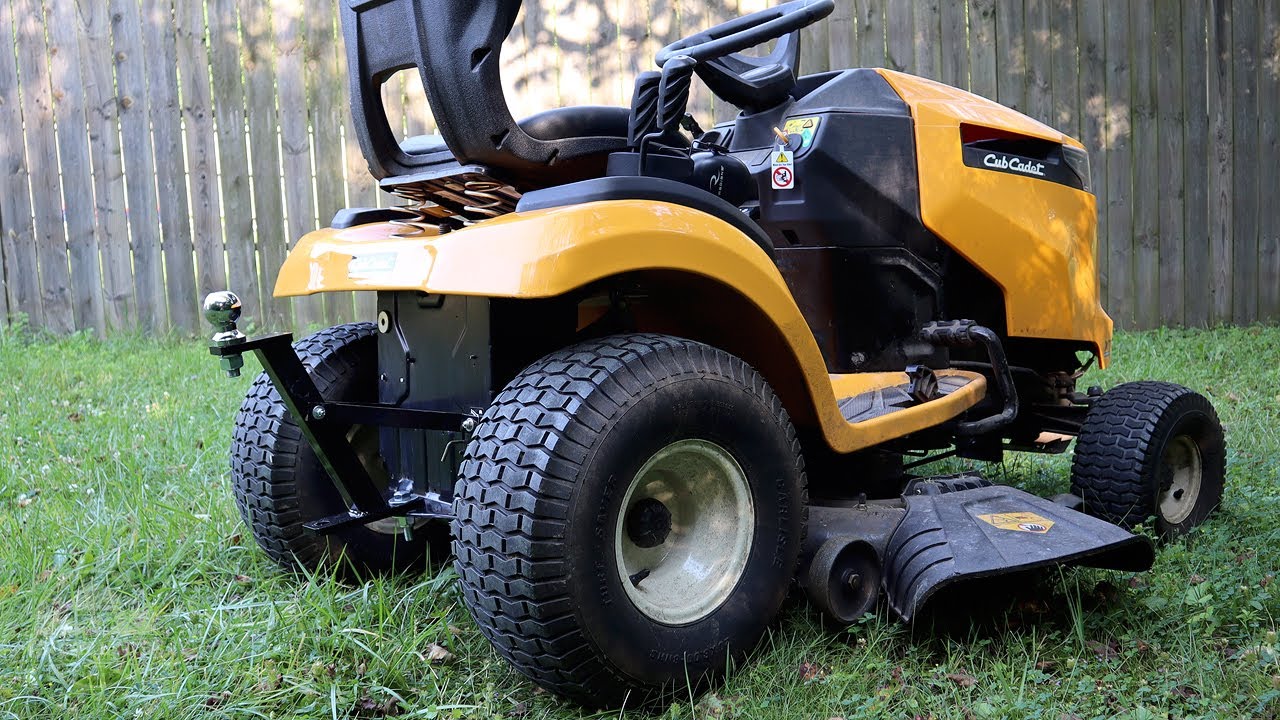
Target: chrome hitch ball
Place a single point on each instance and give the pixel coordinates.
(222, 310)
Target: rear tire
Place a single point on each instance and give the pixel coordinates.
(597, 478)
(279, 484)
(1151, 449)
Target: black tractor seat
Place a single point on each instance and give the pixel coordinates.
(579, 121)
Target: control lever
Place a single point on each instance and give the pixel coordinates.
(673, 100)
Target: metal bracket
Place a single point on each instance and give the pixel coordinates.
(324, 425)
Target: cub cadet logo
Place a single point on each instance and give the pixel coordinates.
(1006, 162)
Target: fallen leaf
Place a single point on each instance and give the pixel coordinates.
(812, 671)
(45, 574)
(964, 680)
(1246, 555)
(236, 539)
(243, 579)
(1233, 397)
(1275, 682)
(1046, 665)
(75, 417)
(518, 710)
(199, 444)
(368, 707)
(362, 668)
(189, 655)
(437, 654)
(1185, 692)
(1143, 646)
(1196, 579)
(214, 701)
(1104, 650)
(1136, 582)
(1267, 579)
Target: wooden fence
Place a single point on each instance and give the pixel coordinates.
(153, 150)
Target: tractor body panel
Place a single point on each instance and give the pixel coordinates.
(1001, 209)
(552, 253)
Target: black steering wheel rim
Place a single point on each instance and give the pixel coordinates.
(747, 31)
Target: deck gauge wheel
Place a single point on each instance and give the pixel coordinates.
(1151, 449)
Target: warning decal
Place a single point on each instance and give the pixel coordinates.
(1019, 521)
(783, 167)
(805, 127)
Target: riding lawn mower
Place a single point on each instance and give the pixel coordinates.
(641, 380)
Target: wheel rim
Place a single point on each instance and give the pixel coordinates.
(1181, 472)
(684, 535)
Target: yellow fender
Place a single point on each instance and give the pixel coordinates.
(546, 253)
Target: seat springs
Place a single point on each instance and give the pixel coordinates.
(465, 198)
(485, 190)
(420, 223)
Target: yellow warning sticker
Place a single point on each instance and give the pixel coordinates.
(1019, 521)
(805, 127)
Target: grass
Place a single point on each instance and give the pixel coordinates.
(129, 588)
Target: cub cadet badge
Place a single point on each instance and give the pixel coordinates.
(783, 175)
(1019, 521)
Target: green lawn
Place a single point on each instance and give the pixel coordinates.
(129, 588)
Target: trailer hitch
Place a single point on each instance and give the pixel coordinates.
(325, 423)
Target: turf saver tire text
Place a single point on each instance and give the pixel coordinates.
(538, 502)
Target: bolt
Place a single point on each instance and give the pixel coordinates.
(469, 425)
(318, 412)
(853, 580)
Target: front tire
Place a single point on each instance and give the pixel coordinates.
(628, 517)
(1151, 449)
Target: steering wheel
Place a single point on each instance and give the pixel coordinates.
(751, 83)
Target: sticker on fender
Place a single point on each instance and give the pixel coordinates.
(783, 172)
(1019, 521)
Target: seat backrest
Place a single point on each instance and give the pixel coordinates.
(456, 46)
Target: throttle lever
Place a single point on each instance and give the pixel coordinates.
(673, 100)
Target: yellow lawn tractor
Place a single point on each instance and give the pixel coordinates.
(642, 379)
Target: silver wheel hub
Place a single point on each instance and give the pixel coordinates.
(1181, 472)
(684, 535)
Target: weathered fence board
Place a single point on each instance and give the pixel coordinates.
(1269, 174)
(1093, 110)
(1119, 165)
(42, 161)
(17, 235)
(107, 189)
(1011, 54)
(1195, 165)
(134, 107)
(1245, 162)
(295, 143)
(176, 146)
(1171, 118)
(227, 64)
(264, 160)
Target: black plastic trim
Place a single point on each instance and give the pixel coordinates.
(645, 188)
(351, 217)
